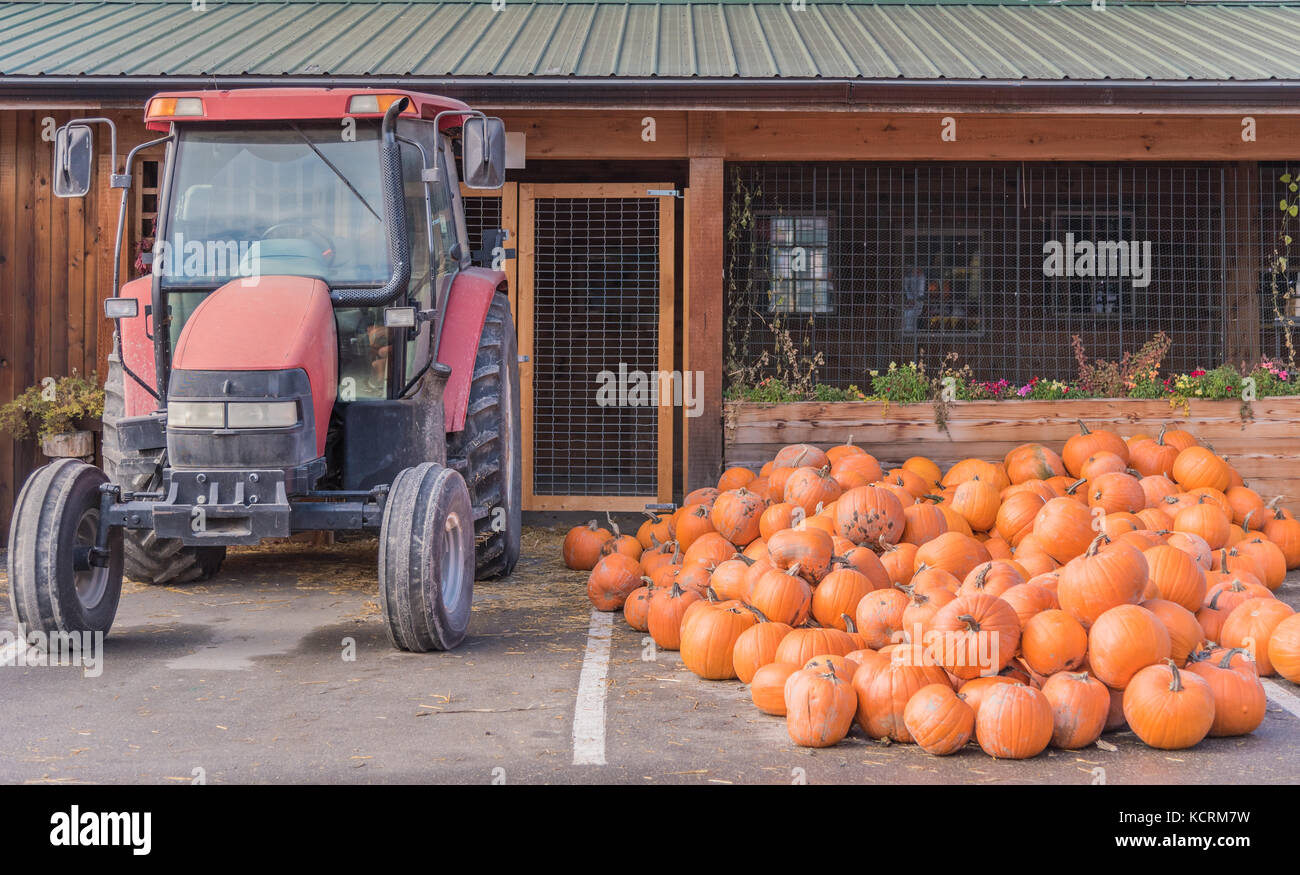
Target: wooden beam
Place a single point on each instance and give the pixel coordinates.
(867, 134)
(1242, 315)
(703, 321)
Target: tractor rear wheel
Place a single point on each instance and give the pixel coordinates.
(488, 451)
(426, 559)
(148, 558)
(52, 585)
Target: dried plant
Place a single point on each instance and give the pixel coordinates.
(1107, 379)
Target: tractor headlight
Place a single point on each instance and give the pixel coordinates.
(196, 414)
(262, 414)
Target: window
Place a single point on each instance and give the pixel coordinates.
(1094, 274)
(798, 255)
(943, 283)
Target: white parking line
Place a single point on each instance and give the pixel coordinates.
(589, 711)
(1280, 695)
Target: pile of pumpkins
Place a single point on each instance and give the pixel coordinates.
(1038, 600)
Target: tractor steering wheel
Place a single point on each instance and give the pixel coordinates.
(328, 250)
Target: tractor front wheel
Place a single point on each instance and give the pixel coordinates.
(53, 585)
(426, 559)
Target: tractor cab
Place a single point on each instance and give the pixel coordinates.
(312, 349)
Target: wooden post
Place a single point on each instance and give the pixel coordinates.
(703, 319)
(1242, 316)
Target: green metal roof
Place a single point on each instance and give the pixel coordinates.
(558, 39)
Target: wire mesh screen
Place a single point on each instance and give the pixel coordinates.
(1000, 264)
(482, 213)
(1279, 300)
(596, 324)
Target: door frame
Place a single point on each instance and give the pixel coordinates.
(529, 193)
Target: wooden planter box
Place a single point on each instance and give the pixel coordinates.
(1266, 449)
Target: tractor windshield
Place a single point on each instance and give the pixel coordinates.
(295, 198)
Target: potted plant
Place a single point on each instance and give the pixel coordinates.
(62, 413)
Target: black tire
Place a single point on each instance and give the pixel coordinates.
(57, 512)
(488, 452)
(148, 558)
(426, 559)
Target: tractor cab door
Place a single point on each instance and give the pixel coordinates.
(376, 362)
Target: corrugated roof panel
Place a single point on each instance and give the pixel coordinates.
(754, 56)
(759, 39)
(603, 41)
(1020, 58)
(442, 42)
(191, 49)
(793, 59)
(713, 51)
(909, 29)
(640, 42)
(567, 41)
(1067, 56)
(823, 44)
(529, 42)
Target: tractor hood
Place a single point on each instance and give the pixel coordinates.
(265, 323)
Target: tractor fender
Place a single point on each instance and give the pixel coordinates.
(462, 326)
(137, 349)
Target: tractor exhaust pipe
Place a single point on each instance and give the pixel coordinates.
(399, 246)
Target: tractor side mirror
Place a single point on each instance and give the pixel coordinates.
(73, 156)
(484, 152)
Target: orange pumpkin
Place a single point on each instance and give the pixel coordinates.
(883, 696)
(939, 720)
(1251, 625)
(756, 647)
(1199, 466)
(979, 633)
(922, 523)
(582, 546)
(879, 617)
(953, 552)
(779, 516)
(801, 645)
(1101, 580)
(977, 501)
(799, 456)
(612, 581)
(1123, 641)
(869, 515)
(810, 488)
(819, 708)
(839, 593)
(736, 515)
(808, 550)
(734, 478)
(1239, 701)
(1284, 648)
(1284, 530)
(1015, 516)
(1080, 704)
(708, 639)
(782, 596)
(1167, 708)
(1064, 526)
(1053, 641)
(1185, 633)
(666, 612)
(1082, 445)
(767, 689)
(1176, 576)
(1032, 462)
(1014, 722)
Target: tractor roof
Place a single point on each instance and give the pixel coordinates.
(271, 104)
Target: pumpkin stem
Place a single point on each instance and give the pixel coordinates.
(676, 591)
(711, 594)
(1226, 662)
(591, 524)
(1069, 490)
(971, 623)
(849, 626)
(793, 570)
(746, 559)
(1083, 429)
(762, 618)
(648, 581)
(1176, 685)
(812, 623)
(1096, 544)
(613, 526)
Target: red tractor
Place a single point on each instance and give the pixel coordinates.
(313, 350)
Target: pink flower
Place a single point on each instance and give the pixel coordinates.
(1198, 373)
